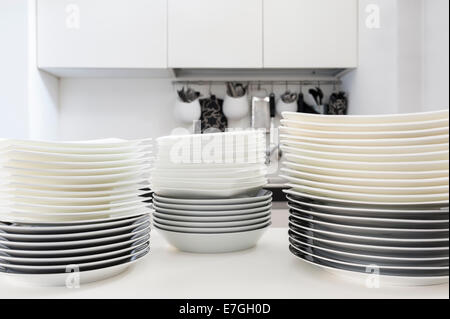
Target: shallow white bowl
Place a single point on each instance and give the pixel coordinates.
(241, 223)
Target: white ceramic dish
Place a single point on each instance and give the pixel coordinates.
(95, 144)
(60, 253)
(75, 236)
(376, 190)
(214, 230)
(373, 205)
(76, 172)
(75, 244)
(350, 212)
(58, 280)
(365, 174)
(260, 196)
(379, 166)
(377, 199)
(378, 241)
(211, 219)
(419, 157)
(374, 259)
(213, 243)
(210, 173)
(235, 165)
(209, 180)
(377, 127)
(407, 252)
(29, 217)
(364, 135)
(202, 193)
(366, 230)
(193, 185)
(62, 268)
(73, 259)
(393, 150)
(74, 165)
(212, 213)
(378, 142)
(211, 137)
(365, 182)
(201, 225)
(19, 228)
(363, 277)
(368, 119)
(211, 207)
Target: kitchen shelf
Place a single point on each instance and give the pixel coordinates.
(268, 271)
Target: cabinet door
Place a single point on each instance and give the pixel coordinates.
(102, 33)
(215, 33)
(310, 33)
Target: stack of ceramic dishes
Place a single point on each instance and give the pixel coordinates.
(369, 194)
(208, 191)
(72, 207)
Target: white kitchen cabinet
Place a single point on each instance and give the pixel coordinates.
(215, 34)
(102, 34)
(310, 33)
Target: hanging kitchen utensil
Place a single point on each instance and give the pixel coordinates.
(261, 118)
(338, 104)
(302, 106)
(212, 118)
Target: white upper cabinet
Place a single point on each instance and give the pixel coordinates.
(310, 33)
(215, 34)
(102, 33)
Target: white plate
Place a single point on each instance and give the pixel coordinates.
(380, 249)
(366, 190)
(57, 280)
(62, 268)
(212, 213)
(94, 144)
(378, 241)
(137, 183)
(376, 231)
(368, 119)
(226, 137)
(394, 150)
(386, 157)
(75, 244)
(211, 207)
(97, 249)
(377, 127)
(70, 209)
(364, 135)
(208, 193)
(391, 214)
(378, 166)
(365, 182)
(214, 219)
(213, 243)
(374, 259)
(76, 172)
(374, 205)
(380, 142)
(210, 173)
(376, 199)
(193, 185)
(218, 230)
(242, 165)
(262, 195)
(364, 174)
(73, 259)
(202, 225)
(78, 150)
(19, 228)
(21, 216)
(75, 165)
(363, 277)
(209, 180)
(142, 224)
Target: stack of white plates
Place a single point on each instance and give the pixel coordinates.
(208, 191)
(72, 203)
(370, 194)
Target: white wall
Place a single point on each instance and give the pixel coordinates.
(13, 69)
(436, 64)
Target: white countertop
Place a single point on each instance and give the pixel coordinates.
(268, 271)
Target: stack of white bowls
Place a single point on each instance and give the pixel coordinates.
(72, 207)
(209, 195)
(370, 194)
